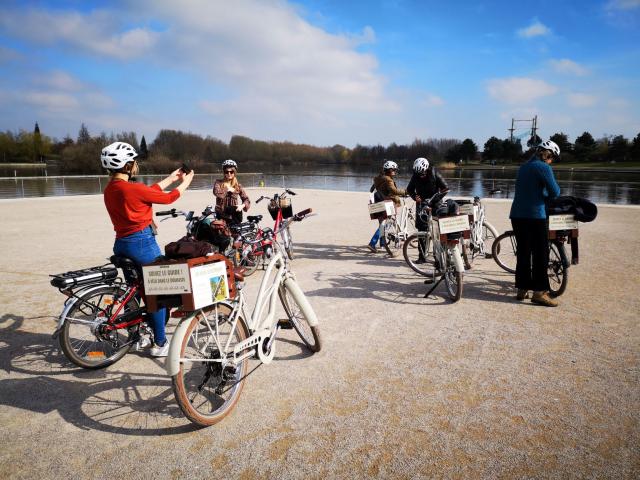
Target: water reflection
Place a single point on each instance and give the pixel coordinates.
(600, 187)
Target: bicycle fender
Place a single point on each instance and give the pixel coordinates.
(70, 302)
(457, 259)
(301, 298)
(172, 363)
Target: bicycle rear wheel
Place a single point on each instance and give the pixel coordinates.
(504, 251)
(84, 339)
(489, 234)
(299, 311)
(391, 235)
(558, 273)
(452, 278)
(416, 252)
(208, 384)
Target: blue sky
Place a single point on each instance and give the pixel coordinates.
(321, 72)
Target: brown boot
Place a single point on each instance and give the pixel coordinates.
(522, 294)
(543, 298)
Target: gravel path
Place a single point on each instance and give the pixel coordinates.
(405, 387)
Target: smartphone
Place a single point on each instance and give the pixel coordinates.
(185, 168)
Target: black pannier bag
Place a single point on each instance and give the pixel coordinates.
(447, 208)
(584, 210)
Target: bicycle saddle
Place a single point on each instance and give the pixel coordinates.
(122, 262)
(254, 218)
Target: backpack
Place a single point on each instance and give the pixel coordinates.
(187, 247)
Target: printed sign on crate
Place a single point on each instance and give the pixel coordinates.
(562, 222)
(381, 209)
(209, 282)
(458, 223)
(166, 279)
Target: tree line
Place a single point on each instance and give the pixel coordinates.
(171, 147)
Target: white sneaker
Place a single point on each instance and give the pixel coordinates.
(163, 351)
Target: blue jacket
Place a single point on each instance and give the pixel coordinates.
(535, 184)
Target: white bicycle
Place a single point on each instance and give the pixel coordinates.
(395, 229)
(211, 348)
(482, 233)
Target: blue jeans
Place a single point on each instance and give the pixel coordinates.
(142, 248)
(376, 237)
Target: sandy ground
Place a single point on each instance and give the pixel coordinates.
(405, 387)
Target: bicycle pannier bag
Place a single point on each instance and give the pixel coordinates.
(187, 247)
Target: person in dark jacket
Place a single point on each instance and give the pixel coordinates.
(386, 189)
(535, 185)
(424, 184)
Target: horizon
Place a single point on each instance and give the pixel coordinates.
(321, 73)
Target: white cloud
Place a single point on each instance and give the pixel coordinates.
(622, 4)
(52, 101)
(60, 80)
(433, 101)
(536, 29)
(567, 66)
(99, 32)
(581, 100)
(519, 90)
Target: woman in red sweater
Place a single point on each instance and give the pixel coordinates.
(129, 206)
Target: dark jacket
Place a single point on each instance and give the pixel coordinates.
(583, 209)
(428, 186)
(386, 186)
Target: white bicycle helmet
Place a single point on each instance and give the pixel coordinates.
(421, 165)
(551, 146)
(117, 155)
(229, 163)
(389, 165)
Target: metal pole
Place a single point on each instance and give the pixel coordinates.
(64, 192)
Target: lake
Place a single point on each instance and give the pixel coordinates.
(599, 186)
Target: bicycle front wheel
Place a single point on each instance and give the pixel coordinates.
(85, 339)
(504, 251)
(415, 251)
(558, 273)
(489, 234)
(299, 312)
(287, 242)
(208, 384)
(391, 236)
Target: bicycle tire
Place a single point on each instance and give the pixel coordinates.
(89, 351)
(299, 310)
(391, 235)
(250, 261)
(504, 250)
(467, 254)
(489, 234)
(412, 249)
(199, 386)
(452, 278)
(287, 242)
(557, 271)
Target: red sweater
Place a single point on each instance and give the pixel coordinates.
(129, 204)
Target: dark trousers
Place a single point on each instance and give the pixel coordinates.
(532, 253)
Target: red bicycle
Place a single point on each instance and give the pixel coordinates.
(280, 209)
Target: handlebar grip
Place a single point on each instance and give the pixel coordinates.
(290, 192)
(300, 215)
(166, 212)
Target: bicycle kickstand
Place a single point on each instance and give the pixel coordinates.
(426, 295)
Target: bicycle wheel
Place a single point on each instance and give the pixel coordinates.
(416, 252)
(247, 257)
(391, 235)
(299, 311)
(287, 242)
(452, 278)
(83, 338)
(504, 251)
(558, 273)
(208, 384)
(489, 234)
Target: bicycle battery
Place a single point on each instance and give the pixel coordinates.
(87, 276)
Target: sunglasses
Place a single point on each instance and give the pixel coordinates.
(229, 171)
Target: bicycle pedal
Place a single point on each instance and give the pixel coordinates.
(285, 324)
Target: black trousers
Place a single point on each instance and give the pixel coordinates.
(532, 254)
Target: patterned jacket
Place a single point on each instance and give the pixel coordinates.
(226, 202)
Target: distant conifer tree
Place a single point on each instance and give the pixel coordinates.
(83, 135)
(143, 153)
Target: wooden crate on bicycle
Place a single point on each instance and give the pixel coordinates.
(192, 283)
(381, 210)
(563, 224)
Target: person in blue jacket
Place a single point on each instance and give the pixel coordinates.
(535, 185)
